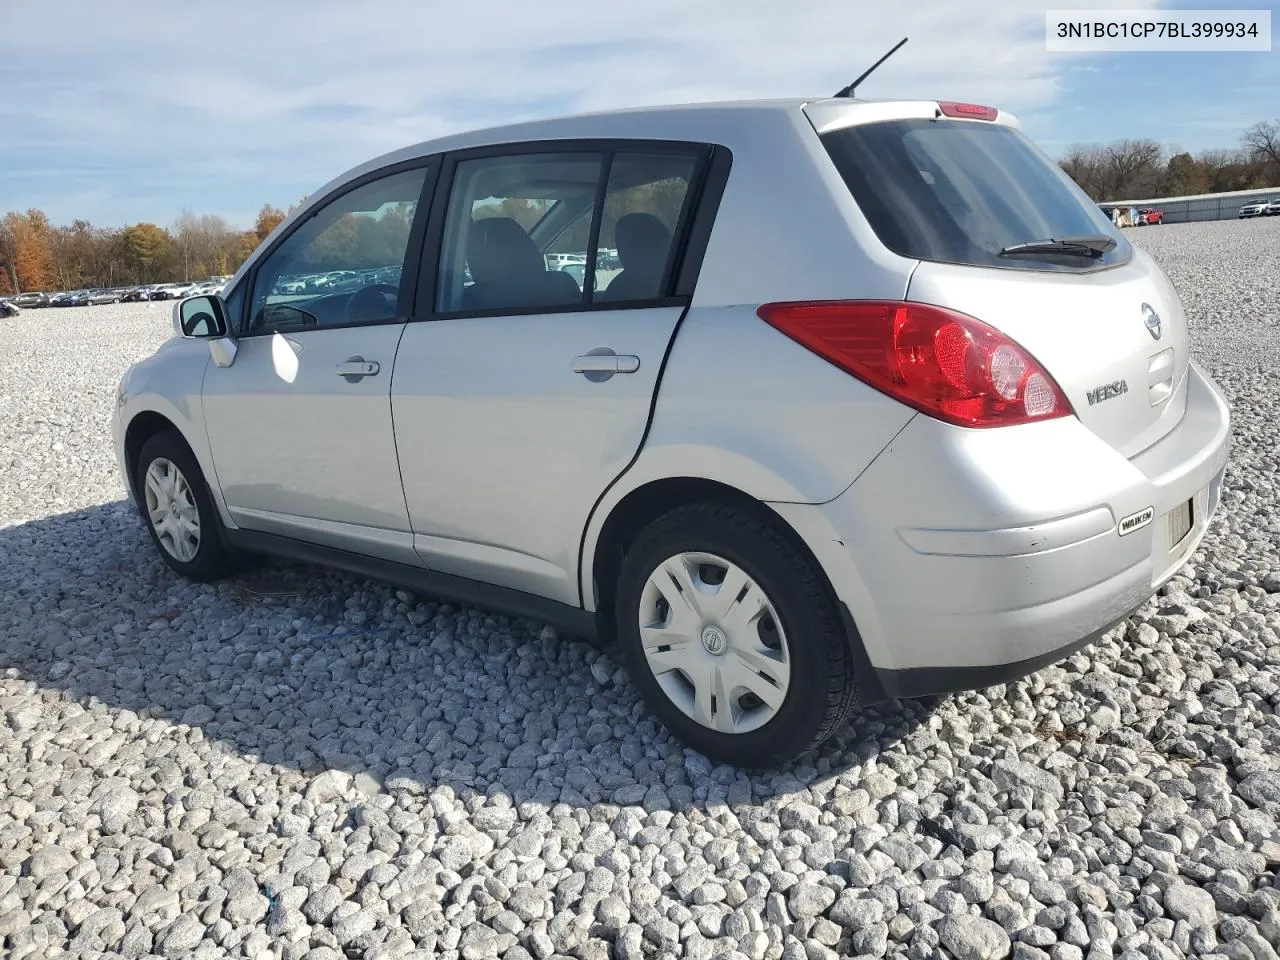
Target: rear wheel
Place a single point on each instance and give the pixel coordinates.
(732, 636)
(178, 509)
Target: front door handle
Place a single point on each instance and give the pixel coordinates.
(602, 366)
(354, 369)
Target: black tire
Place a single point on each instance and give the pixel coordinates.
(211, 560)
(821, 692)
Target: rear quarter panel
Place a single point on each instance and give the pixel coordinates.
(745, 406)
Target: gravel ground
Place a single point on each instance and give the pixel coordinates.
(304, 764)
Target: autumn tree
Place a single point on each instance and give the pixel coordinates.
(269, 218)
(144, 245)
(205, 244)
(26, 250)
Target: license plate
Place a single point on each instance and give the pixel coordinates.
(1180, 521)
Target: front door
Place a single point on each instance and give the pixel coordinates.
(527, 390)
(300, 423)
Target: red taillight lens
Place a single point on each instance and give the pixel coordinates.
(967, 111)
(943, 363)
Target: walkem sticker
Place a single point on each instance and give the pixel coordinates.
(1136, 521)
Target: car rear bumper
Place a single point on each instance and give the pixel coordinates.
(971, 557)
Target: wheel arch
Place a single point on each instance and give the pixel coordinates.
(152, 413)
(602, 556)
(640, 506)
(142, 427)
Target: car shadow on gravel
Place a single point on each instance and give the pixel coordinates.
(311, 670)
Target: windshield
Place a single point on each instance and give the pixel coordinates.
(963, 191)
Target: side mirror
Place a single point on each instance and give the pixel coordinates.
(199, 318)
(205, 318)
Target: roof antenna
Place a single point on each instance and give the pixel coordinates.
(848, 91)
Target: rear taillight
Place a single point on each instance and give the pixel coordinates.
(943, 363)
(967, 111)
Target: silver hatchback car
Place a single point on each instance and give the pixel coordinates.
(852, 400)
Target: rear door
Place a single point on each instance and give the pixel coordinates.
(521, 390)
(957, 194)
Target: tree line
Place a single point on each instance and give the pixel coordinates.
(1141, 168)
(37, 255)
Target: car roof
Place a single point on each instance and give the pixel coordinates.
(698, 122)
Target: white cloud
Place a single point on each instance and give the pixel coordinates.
(294, 91)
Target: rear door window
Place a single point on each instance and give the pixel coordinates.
(565, 229)
(962, 191)
(513, 222)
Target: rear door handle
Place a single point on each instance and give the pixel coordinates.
(609, 363)
(357, 368)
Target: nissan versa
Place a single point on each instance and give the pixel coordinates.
(871, 401)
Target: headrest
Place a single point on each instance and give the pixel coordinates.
(499, 249)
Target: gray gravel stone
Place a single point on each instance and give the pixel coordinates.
(856, 913)
(1185, 902)
(180, 937)
(902, 851)
(806, 899)
(968, 937)
(49, 860)
(1010, 774)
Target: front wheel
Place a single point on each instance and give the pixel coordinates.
(731, 634)
(178, 509)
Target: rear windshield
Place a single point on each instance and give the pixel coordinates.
(960, 191)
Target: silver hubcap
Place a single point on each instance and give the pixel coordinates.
(172, 509)
(714, 642)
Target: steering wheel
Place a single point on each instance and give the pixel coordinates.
(374, 302)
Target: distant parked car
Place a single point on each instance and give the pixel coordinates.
(1148, 216)
(1258, 208)
(136, 294)
(26, 300)
(1273, 207)
(80, 298)
(99, 297)
(172, 291)
(8, 308)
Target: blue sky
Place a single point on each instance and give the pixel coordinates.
(221, 105)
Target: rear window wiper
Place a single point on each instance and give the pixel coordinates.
(1093, 246)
